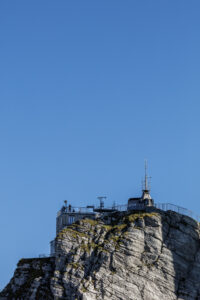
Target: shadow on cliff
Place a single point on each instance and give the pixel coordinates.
(181, 237)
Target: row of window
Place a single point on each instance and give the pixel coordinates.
(66, 220)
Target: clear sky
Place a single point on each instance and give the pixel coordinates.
(88, 90)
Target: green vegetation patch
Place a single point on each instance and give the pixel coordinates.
(74, 233)
(118, 227)
(89, 221)
(141, 215)
(75, 265)
(84, 290)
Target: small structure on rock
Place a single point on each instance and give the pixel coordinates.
(145, 201)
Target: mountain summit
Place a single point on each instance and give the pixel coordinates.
(123, 256)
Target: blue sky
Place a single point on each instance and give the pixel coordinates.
(89, 89)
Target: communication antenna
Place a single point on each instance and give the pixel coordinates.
(146, 179)
(146, 183)
(65, 201)
(101, 199)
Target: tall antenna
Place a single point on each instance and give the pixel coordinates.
(146, 178)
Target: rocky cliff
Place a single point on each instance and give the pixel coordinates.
(136, 256)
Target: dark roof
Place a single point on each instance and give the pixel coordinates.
(139, 198)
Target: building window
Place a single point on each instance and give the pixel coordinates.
(70, 219)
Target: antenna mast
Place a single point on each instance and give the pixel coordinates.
(146, 177)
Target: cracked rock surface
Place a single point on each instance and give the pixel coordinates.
(126, 256)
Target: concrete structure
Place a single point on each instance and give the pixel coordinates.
(66, 216)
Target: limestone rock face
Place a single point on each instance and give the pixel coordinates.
(133, 256)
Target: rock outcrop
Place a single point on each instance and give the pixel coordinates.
(136, 256)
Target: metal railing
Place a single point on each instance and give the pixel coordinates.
(125, 207)
(72, 209)
(178, 209)
(121, 207)
(164, 207)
